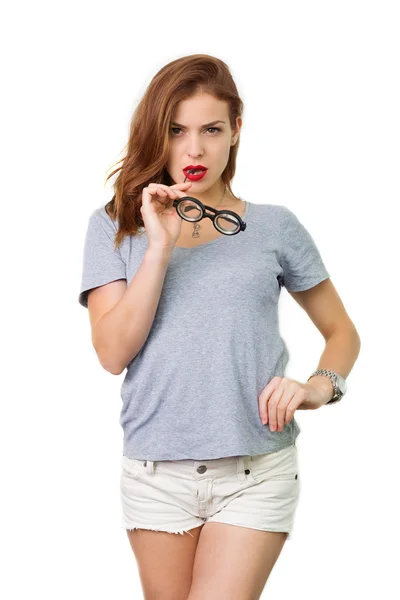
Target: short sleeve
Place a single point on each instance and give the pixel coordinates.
(301, 262)
(102, 263)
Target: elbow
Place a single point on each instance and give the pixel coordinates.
(120, 370)
(351, 330)
(104, 360)
(115, 372)
(107, 365)
(111, 370)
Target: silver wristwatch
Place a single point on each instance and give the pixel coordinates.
(339, 384)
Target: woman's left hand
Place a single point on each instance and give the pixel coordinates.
(282, 396)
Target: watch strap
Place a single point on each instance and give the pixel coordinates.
(337, 395)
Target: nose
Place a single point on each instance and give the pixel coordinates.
(195, 147)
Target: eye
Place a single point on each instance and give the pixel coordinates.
(179, 129)
(216, 128)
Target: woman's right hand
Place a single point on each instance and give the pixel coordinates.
(161, 220)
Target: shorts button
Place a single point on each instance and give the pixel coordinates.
(247, 471)
(202, 469)
(296, 476)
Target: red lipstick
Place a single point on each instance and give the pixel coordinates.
(195, 176)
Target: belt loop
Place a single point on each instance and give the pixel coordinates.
(240, 464)
(149, 466)
(240, 468)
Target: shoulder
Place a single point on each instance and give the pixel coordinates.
(101, 216)
(284, 218)
(275, 210)
(281, 212)
(102, 224)
(273, 215)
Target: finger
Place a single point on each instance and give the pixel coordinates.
(264, 410)
(265, 396)
(152, 202)
(158, 194)
(155, 190)
(180, 191)
(172, 196)
(273, 407)
(281, 413)
(289, 413)
(288, 401)
(271, 417)
(167, 192)
(163, 192)
(280, 409)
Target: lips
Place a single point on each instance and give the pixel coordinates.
(195, 176)
(195, 167)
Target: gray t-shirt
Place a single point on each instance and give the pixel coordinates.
(192, 391)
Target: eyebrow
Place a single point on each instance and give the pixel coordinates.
(205, 125)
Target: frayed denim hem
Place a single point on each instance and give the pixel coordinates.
(181, 531)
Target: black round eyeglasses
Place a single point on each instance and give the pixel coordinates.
(226, 221)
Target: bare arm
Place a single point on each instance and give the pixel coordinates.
(120, 333)
(325, 308)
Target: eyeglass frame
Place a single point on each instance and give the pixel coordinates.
(215, 213)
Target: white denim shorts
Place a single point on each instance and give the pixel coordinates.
(260, 492)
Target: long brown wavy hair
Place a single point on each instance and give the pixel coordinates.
(148, 145)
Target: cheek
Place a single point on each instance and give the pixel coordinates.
(225, 151)
(172, 157)
(219, 149)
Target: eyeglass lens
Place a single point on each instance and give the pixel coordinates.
(190, 211)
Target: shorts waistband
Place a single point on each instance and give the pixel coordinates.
(201, 469)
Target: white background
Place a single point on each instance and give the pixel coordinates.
(320, 83)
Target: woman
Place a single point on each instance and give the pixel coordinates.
(189, 306)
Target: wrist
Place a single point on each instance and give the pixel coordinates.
(159, 254)
(323, 388)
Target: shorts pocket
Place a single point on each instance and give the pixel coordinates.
(280, 465)
(132, 468)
